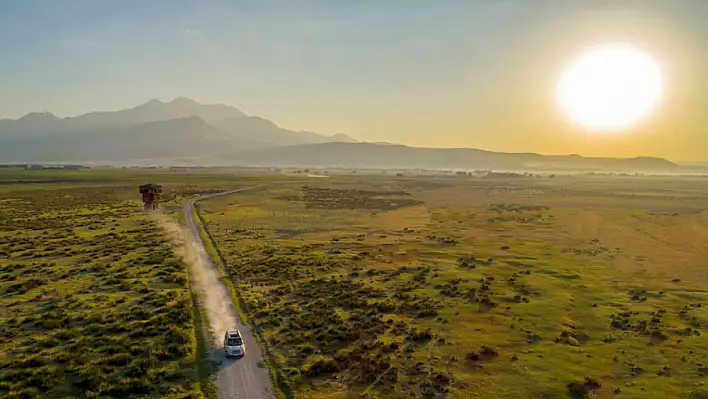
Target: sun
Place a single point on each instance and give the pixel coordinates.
(610, 88)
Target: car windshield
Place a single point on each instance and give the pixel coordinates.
(234, 341)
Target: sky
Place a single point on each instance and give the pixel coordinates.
(467, 73)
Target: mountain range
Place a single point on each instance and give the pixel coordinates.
(394, 156)
(190, 132)
(154, 130)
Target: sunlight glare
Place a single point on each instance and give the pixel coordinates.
(610, 88)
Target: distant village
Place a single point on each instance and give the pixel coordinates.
(323, 172)
(36, 166)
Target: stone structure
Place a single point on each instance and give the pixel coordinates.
(151, 195)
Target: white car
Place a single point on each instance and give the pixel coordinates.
(233, 344)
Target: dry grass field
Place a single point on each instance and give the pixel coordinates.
(422, 287)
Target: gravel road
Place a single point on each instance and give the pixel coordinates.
(236, 378)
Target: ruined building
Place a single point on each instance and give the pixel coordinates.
(151, 195)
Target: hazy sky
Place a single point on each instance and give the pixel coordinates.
(468, 73)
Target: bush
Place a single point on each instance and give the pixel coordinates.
(583, 389)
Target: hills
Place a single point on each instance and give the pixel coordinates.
(393, 156)
(185, 131)
(154, 130)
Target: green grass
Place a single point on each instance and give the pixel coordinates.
(94, 301)
(360, 284)
(502, 289)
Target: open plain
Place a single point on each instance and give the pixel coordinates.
(94, 298)
(372, 285)
(493, 287)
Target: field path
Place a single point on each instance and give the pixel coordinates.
(240, 378)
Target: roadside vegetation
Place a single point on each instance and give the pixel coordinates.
(398, 288)
(95, 303)
(372, 286)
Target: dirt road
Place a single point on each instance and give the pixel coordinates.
(236, 378)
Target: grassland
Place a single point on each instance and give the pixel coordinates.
(383, 287)
(94, 301)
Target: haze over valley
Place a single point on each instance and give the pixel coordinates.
(154, 130)
(183, 131)
(401, 199)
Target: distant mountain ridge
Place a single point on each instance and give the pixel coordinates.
(155, 129)
(184, 129)
(395, 156)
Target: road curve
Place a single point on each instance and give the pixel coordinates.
(238, 378)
